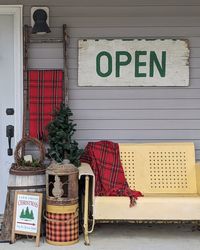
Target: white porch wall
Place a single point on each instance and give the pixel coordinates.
(122, 114)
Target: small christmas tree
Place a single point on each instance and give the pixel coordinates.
(60, 133)
(22, 215)
(27, 213)
(31, 215)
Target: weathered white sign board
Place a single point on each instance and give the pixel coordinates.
(133, 63)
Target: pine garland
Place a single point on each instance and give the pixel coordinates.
(60, 132)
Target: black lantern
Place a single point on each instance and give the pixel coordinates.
(40, 18)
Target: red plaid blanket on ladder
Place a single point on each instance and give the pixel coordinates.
(45, 95)
(104, 159)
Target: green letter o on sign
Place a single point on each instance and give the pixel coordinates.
(98, 64)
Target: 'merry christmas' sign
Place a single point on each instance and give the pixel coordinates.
(133, 63)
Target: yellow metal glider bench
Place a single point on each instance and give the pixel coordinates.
(165, 173)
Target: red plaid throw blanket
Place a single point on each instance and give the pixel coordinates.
(45, 95)
(104, 159)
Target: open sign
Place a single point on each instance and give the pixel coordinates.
(133, 63)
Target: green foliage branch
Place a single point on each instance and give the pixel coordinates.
(60, 137)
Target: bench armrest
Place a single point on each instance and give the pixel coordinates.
(85, 170)
(86, 173)
(197, 165)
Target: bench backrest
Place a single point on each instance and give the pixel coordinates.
(160, 168)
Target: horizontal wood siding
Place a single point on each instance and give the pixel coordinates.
(125, 114)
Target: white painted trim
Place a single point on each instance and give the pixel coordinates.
(16, 11)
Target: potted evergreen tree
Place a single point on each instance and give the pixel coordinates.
(62, 173)
(60, 137)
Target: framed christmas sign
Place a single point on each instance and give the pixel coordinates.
(27, 215)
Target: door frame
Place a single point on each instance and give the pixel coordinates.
(17, 12)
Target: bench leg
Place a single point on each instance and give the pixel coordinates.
(86, 205)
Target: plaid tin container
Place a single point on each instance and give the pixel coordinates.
(62, 224)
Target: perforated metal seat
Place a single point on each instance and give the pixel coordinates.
(165, 173)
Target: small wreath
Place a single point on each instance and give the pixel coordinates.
(19, 152)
